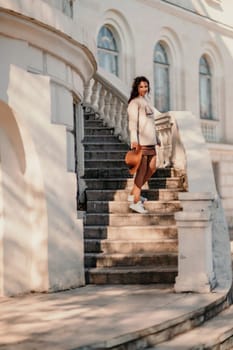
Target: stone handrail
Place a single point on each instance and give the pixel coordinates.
(210, 130)
(163, 126)
(110, 105)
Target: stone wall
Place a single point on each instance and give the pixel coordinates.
(42, 73)
(222, 159)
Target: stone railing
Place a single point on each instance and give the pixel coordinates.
(210, 130)
(110, 105)
(163, 126)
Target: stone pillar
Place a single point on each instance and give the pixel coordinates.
(195, 262)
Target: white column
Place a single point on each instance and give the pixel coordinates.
(195, 261)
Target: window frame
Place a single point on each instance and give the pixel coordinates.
(112, 54)
(163, 67)
(207, 79)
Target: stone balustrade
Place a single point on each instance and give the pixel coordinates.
(210, 130)
(111, 106)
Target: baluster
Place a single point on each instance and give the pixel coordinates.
(118, 117)
(168, 146)
(159, 149)
(124, 125)
(163, 127)
(101, 105)
(107, 107)
(87, 92)
(112, 114)
(95, 95)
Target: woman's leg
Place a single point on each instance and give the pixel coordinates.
(151, 168)
(139, 179)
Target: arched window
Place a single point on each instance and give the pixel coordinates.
(107, 50)
(67, 7)
(161, 79)
(205, 89)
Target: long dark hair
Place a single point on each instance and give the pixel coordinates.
(134, 91)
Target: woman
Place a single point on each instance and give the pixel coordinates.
(142, 132)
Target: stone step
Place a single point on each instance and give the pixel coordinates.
(126, 247)
(130, 247)
(130, 232)
(105, 163)
(121, 172)
(142, 275)
(122, 195)
(97, 139)
(100, 131)
(160, 317)
(100, 173)
(127, 183)
(123, 206)
(89, 114)
(105, 154)
(139, 259)
(93, 123)
(129, 219)
(215, 334)
(90, 146)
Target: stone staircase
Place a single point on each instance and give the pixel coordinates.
(123, 247)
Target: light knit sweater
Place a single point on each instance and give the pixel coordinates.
(141, 107)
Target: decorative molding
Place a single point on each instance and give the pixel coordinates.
(191, 16)
(214, 2)
(49, 40)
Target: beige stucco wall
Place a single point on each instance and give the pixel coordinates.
(24, 253)
(42, 238)
(42, 70)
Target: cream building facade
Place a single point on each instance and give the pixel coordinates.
(49, 53)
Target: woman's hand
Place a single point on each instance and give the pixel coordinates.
(134, 145)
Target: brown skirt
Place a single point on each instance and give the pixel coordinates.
(148, 150)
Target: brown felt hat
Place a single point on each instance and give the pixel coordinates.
(133, 160)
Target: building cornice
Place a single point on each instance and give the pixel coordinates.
(190, 16)
(49, 39)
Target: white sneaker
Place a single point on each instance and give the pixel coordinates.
(143, 199)
(131, 198)
(138, 207)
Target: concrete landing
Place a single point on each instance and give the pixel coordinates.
(212, 335)
(94, 316)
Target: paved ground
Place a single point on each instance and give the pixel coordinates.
(89, 315)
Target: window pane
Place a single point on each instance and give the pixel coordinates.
(160, 55)
(161, 78)
(107, 52)
(108, 62)
(205, 89)
(205, 98)
(204, 67)
(161, 88)
(106, 40)
(67, 7)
